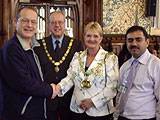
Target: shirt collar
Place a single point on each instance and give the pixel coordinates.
(54, 39)
(34, 43)
(143, 58)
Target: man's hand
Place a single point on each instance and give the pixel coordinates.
(55, 92)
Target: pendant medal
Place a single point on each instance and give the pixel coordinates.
(85, 84)
(56, 68)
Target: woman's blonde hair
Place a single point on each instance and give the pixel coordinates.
(94, 27)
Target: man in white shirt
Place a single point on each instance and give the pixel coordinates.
(138, 97)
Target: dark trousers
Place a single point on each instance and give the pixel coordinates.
(84, 116)
(60, 114)
(52, 115)
(123, 118)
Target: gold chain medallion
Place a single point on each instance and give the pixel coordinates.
(57, 64)
(85, 83)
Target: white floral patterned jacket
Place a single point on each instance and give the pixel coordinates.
(103, 74)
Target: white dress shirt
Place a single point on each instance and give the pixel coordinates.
(144, 95)
(103, 87)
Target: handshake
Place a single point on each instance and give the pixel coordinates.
(56, 90)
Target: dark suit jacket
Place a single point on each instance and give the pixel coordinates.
(50, 76)
(1, 99)
(22, 80)
(1, 92)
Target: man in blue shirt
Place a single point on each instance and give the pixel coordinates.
(138, 96)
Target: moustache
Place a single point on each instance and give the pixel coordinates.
(134, 47)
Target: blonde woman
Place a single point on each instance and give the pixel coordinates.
(94, 74)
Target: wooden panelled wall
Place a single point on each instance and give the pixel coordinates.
(7, 8)
(89, 10)
(115, 42)
(93, 12)
(1, 22)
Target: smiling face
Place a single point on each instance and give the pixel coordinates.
(92, 40)
(57, 24)
(26, 24)
(93, 35)
(137, 43)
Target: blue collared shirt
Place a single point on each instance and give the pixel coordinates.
(144, 94)
(54, 39)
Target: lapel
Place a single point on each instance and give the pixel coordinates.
(97, 62)
(82, 61)
(49, 45)
(99, 59)
(65, 44)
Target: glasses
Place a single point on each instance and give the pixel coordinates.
(27, 21)
(57, 22)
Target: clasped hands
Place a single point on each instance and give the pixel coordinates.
(85, 104)
(56, 90)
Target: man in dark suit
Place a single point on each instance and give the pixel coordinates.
(1, 99)
(55, 55)
(1, 93)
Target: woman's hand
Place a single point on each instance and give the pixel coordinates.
(86, 104)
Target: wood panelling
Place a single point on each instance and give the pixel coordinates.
(92, 11)
(1, 22)
(115, 42)
(86, 11)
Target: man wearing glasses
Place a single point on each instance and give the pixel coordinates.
(55, 55)
(25, 90)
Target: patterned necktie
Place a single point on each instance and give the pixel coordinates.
(57, 50)
(124, 88)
